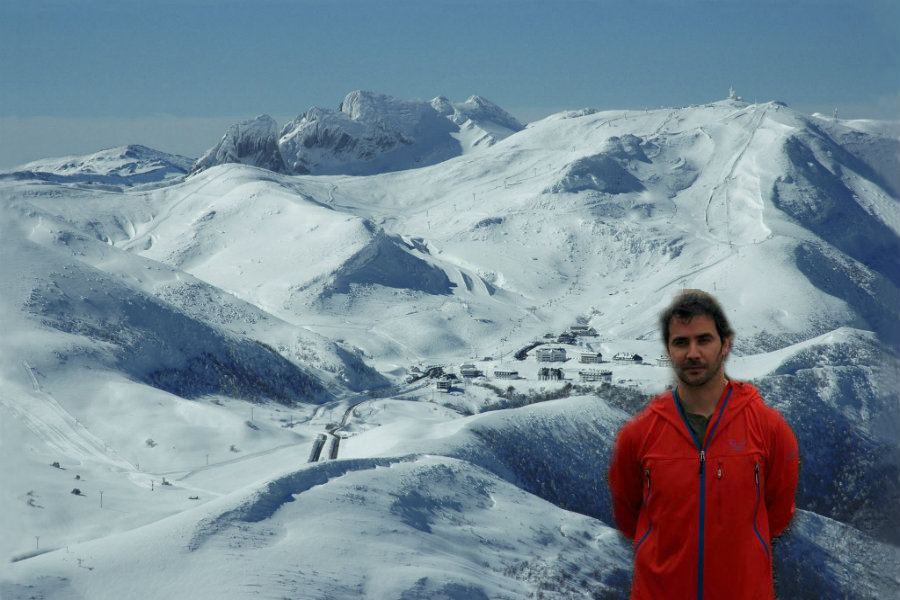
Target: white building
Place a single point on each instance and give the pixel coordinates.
(591, 357)
(550, 354)
(627, 357)
(582, 330)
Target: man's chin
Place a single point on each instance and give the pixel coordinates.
(694, 377)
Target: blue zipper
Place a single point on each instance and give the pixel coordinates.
(702, 448)
(645, 501)
(756, 511)
(643, 537)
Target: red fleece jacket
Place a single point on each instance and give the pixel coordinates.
(702, 513)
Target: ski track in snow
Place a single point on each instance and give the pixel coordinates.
(49, 421)
(694, 272)
(720, 191)
(264, 502)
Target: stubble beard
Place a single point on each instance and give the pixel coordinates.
(702, 378)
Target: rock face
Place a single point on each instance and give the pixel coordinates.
(368, 133)
(253, 142)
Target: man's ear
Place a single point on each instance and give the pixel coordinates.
(726, 344)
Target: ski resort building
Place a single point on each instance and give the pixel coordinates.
(469, 370)
(589, 375)
(591, 357)
(626, 357)
(506, 374)
(566, 337)
(579, 330)
(550, 354)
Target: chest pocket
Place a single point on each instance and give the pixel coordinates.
(736, 490)
(668, 514)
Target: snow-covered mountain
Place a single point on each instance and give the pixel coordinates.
(126, 165)
(369, 133)
(261, 340)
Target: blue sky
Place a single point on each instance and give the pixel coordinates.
(78, 76)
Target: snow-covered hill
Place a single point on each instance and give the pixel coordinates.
(124, 166)
(261, 340)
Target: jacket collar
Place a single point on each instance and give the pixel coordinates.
(737, 396)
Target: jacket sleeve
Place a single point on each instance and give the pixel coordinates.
(625, 482)
(782, 474)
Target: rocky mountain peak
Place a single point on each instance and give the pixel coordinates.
(368, 133)
(252, 142)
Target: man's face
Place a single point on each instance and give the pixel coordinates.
(697, 352)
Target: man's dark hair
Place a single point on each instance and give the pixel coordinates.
(691, 303)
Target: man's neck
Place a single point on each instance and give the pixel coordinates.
(702, 400)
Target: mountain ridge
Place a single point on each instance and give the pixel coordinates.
(368, 133)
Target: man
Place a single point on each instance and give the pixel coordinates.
(704, 477)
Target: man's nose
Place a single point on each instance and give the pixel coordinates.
(693, 350)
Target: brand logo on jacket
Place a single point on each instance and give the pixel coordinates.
(737, 445)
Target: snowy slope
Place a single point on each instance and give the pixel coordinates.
(222, 330)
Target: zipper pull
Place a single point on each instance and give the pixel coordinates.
(702, 461)
(756, 473)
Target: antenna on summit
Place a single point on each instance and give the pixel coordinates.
(731, 93)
